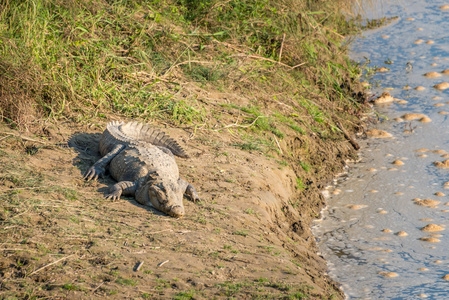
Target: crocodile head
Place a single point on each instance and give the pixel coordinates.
(167, 198)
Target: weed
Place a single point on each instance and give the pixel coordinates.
(126, 281)
(185, 295)
(299, 184)
(306, 167)
(241, 232)
(250, 211)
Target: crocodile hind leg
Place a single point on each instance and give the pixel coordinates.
(122, 187)
(98, 169)
(189, 189)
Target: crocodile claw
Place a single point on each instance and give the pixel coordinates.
(93, 173)
(116, 192)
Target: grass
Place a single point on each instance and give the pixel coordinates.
(264, 76)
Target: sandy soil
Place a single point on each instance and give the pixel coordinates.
(248, 237)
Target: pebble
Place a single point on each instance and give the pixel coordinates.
(418, 41)
(445, 72)
(382, 69)
(442, 164)
(429, 239)
(425, 120)
(382, 212)
(420, 88)
(422, 155)
(438, 104)
(426, 220)
(429, 42)
(434, 64)
(436, 98)
(386, 230)
(432, 228)
(377, 133)
(398, 162)
(401, 233)
(441, 86)
(399, 193)
(440, 194)
(427, 202)
(444, 7)
(384, 36)
(413, 116)
(443, 112)
(372, 170)
(432, 75)
(423, 269)
(373, 191)
(422, 150)
(336, 192)
(356, 206)
(439, 151)
(384, 99)
(389, 274)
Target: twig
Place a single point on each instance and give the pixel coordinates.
(237, 125)
(282, 47)
(138, 266)
(6, 137)
(160, 231)
(348, 137)
(279, 146)
(162, 263)
(24, 138)
(46, 266)
(93, 291)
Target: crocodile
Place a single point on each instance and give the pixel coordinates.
(141, 159)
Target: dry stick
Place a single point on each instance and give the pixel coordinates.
(55, 262)
(93, 291)
(160, 231)
(139, 266)
(348, 137)
(5, 137)
(237, 125)
(279, 146)
(282, 46)
(24, 138)
(163, 263)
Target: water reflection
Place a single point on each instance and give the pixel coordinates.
(373, 241)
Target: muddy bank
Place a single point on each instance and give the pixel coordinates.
(268, 118)
(249, 235)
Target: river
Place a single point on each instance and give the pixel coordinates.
(381, 238)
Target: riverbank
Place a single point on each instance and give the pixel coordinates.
(261, 95)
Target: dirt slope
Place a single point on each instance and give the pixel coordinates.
(61, 239)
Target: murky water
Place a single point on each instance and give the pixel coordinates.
(375, 233)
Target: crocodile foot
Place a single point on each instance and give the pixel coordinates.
(93, 173)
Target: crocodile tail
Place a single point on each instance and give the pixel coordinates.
(139, 134)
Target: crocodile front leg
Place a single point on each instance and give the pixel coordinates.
(189, 189)
(98, 169)
(122, 187)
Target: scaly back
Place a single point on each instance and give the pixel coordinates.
(137, 134)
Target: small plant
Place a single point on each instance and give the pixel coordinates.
(299, 184)
(249, 211)
(241, 232)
